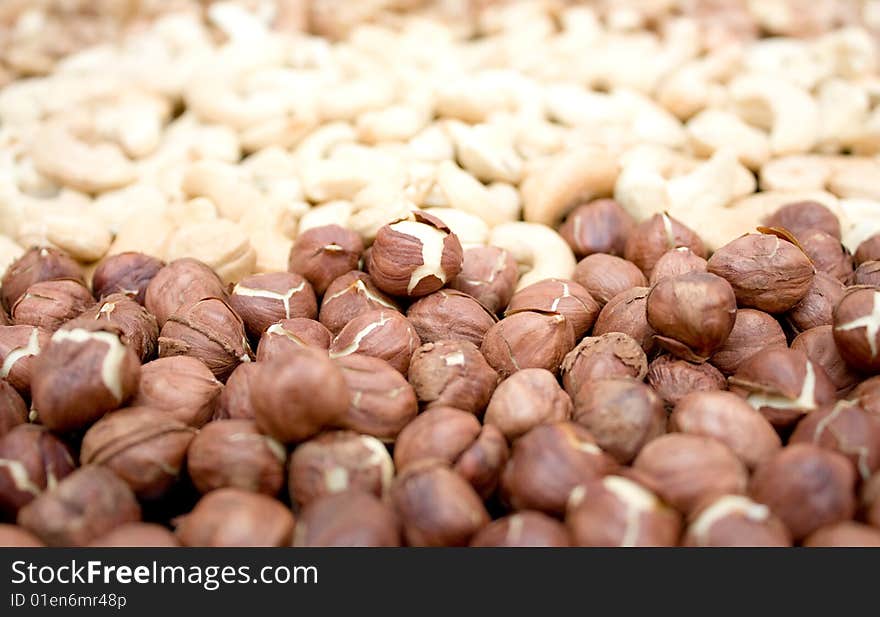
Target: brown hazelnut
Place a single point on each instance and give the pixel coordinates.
(452, 373)
(783, 384)
(138, 328)
(13, 410)
(603, 357)
(803, 216)
(236, 398)
(39, 263)
(289, 336)
(817, 307)
(181, 386)
(673, 378)
(818, 344)
(827, 254)
(735, 520)
(234, 453)
(600, 226)
(351, 518)
(729, 419)
(482, 461)
(867, 395)
(48, 304)
(868, 273)
(81, 375)
(382, 334)
(626, 312)
(547, 463)
(137, 535)
(622, 415)
(82, 507)
(807, 487)
(489, 274)
(263, 299)
(561, 296)
(349, 296)
(235, 517)
(655, 236)
(528, 340)
(844, 534)
(181, 282)
(437, 507)
(31, 460)
(207, 329)
(868, 250)
(322, 254)
(605, 276)
(382, 401)
(688, 469)
(676, 262)
(450, 314)
(617, 511)
(127, 273)
(4, 318)
(752, 332)
(857, 328)
(523, 529)
(414, 256)
(526, 399)
(870, 498)
(19, 348)
(13, 536)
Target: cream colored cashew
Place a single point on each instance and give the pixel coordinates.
(351, 98)
(114, 208)
(486, 151)
(221, 244)
(539, 251)
(470, 229)
(851, 52)
(868, 140)
(432, 144)
(697, 84)
(795, 172)
(860, 221)
(713, 129)
(271, 230)
(224, 184)
(462, 191)
(394, 123)
(330, 213)
(855, 177)
(787, 59)
(843, 112)
(80, 233)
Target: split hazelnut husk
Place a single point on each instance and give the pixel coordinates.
(753, 331)
(19, 348)
(735, 520)
(48, 304)
(13, 410)
(181, 386)
(127, 273)
(868, 250)
(818, 344)
(452, 373)
(13, 536)
(181, 282)
(235, 517)
(137, 535)
(605, 276)
(844, 534)
(857, 328)
(236, 397)
(653, 237)
(39, 263)
(450, 314)
(528, 340)
(526, 399)
(138, 328)
(561, 296)
(868, 273)
(803, 216)
(382, 334)
(322, 254)
(676, 262)
(603, 357)
(523, 529)
(289, 336)
(31, 460)
(626, 313)
(827, 254)
(817, 307)
(600, 226)
(352, 518)
(673, 378)
(349, 296)
(489, 274)
(263, 299)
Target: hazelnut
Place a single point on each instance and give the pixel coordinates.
(382, 401)
(868, 273)
(626, 313)
(81, 375)
(687, 469)
(600, 226)
(523, 529)
(817, 307)
(349, 296)
(803, 216)
(181, 386)
(4, 318)
(867, 395)
(857, 328)
(673, 379)
(477, 453)
(181, 282)
(603, 357)
(676, 262)
(871, 500)
(137, 535)
(526, 399)
(818, 344)
(263, 299)
(437, 507)
(528, 340)
(145, 447)
(844, 534)
(561, 296)
(127, 273)
(605, 276)
(622, 415)
(729, 419)
(655, 236)
(692, 314)
(82, 507)
(753, 331)
(39, 263)
(13, 410)
(766, 271)
(450, 314)
(31, 460)
(807, 487)
(382, 334)
(207, 329)
(236, 397)
(783, 384)
(452, 373)
(827, 254)
(138, 329)
(48, 304)
(616, 511)
(289, 336)
(414, 256)
(489, 274)
(19, 348)
(322, 254)
(234, 453)
(868, 250)
(235, 517)
(547, 463)
(351, 518)
(735, 520)
(12, 536)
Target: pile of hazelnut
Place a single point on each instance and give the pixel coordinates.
(410, 393)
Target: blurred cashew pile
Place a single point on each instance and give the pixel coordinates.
(221, 130)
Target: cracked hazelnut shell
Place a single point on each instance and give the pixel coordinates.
(128, 273)
(382, 334)
(526, 399)
(818, 343)
(181, 282)
(138, 328)
(735, 520)
(528, 340)
(450, 314)
(349, 296)
(263, 299)
(49, 304)
(673, 379)
(31, 460)
(19, 348)
(39, 263)
(489, 274)
(452, 373)
(289, 336)
(603, 357)
(322, 254)
(562, 296)
(857, 328)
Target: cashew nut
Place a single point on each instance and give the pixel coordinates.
(713, 129)
(539, 251)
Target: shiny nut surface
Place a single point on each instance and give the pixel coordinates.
(605, 276)
(180, 282)
(526, 399)
(452, 373)
(528, 340)
(350, 518)
(382, 402)
(182, 386)
(857, 328)
(489, 274)
(652, 238)
(128, 273)
(263, 299)
(382, 334)
(324, 253)
(610, 355)
(600, 226)
(450, 314)
(235, 517)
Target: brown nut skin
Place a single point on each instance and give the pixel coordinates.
(138, 328)
(729, 419)
(673, 379)
(868, 250)
(181, 282)
(48, 304)
(81, 375)
(234, 453)
(382, 400)
(562, 296)
(263, 299)
(236, 398)
(870, 499)
(137, 535)
(818, 344)
(605, 276)
(600, 226)
(857, 328)
(622, 415)
(454, 374)
(31, 460)
(735, 520)
(324, 253)
(687, 469)
(13, 410)
(802, 216)
(81, 508)
(867, 273)
(128, 273)
(817, 307)
(349, 519)
(617, 511)
(450, 314)
(181, 386)
(289, 336)
(39, 263)
(414, 256)
(13, 536)
(437, 507)
(528, 340)
(489, 274)
(827, 254)
(526, 399)
(235, 517)
(692, 314)
(523, 529)
(382, 334)
(19, 348)
(844, 534)
(806, 487)
(547, 463)
(783, 384)
(603, 357)
(676, 262)
(207, 329)
(867, 395)
(350, 295)
(653, 237)
(626, 313)
(752, 332)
